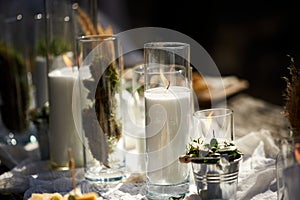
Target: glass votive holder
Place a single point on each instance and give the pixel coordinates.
(214, 123)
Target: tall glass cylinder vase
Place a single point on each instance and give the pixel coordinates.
(16, 94)
(168, 117)
(100, 71)
(66, 20)
(62, 76)
(39, 73)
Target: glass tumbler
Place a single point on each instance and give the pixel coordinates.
(214, 123)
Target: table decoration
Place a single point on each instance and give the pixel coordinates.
(100, 71)
(257, 174)
(257, 177)
(50, 52)
(292, 99)
(63, 131)
(214, 157)
(61, 76)
(16, 89)
(168, 117)
(288, 158)
(288, 168)
(215, 166)
(66, 20)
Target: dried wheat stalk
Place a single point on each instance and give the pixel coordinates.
(85, 22)
(292, 96)
(101, 141)
(88, 27)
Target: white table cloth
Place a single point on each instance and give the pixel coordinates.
(257, 175)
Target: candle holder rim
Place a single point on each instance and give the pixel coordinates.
(166, 45)
(227, 112)
(195, 159)
(93, 38)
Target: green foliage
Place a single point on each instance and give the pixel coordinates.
(14, 89)
(212, 152)
(57, 46)
(106, 76)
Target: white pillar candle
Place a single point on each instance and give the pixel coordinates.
(167, 129)
(63, 133)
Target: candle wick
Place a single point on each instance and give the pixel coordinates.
(169, 82)
(214, 133)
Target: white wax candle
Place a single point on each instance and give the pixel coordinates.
(167, 133)
(63, 133)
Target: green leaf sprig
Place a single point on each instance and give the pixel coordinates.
(57, 46)
(199, 152)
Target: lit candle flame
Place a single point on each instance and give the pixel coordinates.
(209, 118)
(209, 123)
(165, 81)
(163, 78)
(67, 60)
(296, 152)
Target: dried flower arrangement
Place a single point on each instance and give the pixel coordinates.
(105, 102)
(292, 97)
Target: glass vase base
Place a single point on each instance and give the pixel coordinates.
(166, 192)
(98, 174)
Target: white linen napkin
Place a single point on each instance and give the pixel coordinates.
(257, 175)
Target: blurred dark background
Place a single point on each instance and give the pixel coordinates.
(249, 39)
